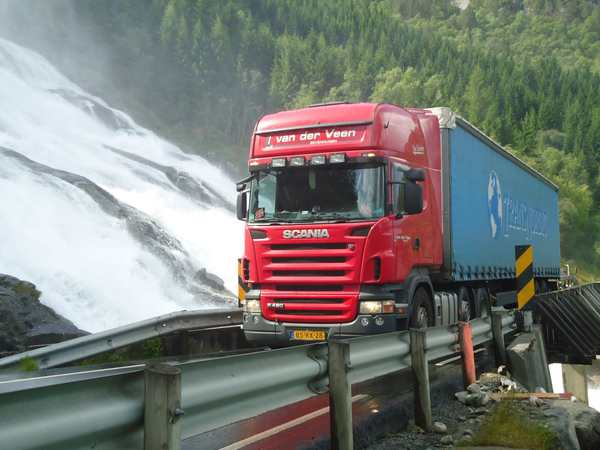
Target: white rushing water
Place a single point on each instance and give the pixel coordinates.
(88, 266)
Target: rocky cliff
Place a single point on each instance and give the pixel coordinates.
(25, 322)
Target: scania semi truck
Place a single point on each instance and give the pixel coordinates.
(370, 218)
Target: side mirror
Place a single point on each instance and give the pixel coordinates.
(242, 205)
(415, 174)
(413, 197)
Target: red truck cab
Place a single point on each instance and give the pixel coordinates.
(343, 210)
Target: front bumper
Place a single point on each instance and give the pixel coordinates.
(277, 334)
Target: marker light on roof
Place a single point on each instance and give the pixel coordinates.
(369, 155)
(337, 158)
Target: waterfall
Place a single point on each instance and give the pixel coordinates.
(110, 221)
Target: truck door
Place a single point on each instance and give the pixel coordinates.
(412, 234)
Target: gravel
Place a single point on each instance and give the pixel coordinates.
(461, 421)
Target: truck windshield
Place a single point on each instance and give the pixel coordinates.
(331, 193)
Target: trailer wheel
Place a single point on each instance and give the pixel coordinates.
(421, 314)
(482, 300)
(463, 303)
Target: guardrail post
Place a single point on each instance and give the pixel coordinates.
(340, 402)
(465, 339)
(184, 336)
(162, 410)
(499, 347)
(420, 371)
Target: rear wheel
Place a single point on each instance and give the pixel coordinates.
(421, 315)
(482, 299)
(464, 305)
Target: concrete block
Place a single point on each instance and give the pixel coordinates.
(527, 362)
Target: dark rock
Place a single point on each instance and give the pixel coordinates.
(210, 279)
(24, 321)
(478, 400)
(461, 397)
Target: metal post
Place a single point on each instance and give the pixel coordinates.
(184, 336)
(499, 347)
(340, 402)
(465, 339)
(527, 321)
(420, 371)
(162, 410)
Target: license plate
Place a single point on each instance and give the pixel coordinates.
(309, 335)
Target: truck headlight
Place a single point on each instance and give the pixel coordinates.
(252, 306)
(379, 307)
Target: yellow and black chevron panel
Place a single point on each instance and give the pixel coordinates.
(525, 285)
(243, 286)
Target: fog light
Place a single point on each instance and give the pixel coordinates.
(379, 321)
(279, 162)
(255, 319)
(364, 321)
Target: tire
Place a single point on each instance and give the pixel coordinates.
(421, 314)
(482, 299)
(464, 304)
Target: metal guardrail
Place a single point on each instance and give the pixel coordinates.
(96, 344)
(104, 409)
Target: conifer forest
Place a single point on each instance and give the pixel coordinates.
(202, 72)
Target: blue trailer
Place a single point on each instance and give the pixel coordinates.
(492, 202)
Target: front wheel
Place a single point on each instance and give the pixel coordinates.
(421, 315)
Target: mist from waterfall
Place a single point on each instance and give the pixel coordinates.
(78, 247)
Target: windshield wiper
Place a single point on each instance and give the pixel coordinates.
(335, 217)
(267, 220)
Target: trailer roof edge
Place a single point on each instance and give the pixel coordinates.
(449, 119)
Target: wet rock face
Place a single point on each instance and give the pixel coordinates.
(24, 321)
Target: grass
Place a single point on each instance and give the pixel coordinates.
(154, 348)
(507, 426)
(28, 364)
(22, 289)
(586, 273)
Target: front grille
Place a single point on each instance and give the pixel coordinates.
(308, 273)
(309, 260)
(309, 287)
(311, 278)
(288, 312)
(309, 300)
(311, 246)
